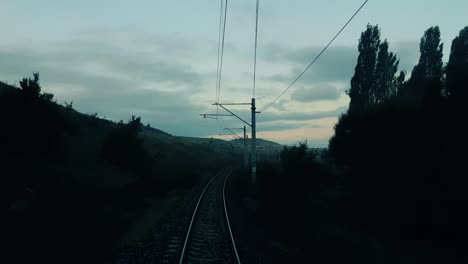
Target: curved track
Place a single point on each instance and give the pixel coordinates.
(209, 237)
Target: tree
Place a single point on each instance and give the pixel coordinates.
(385, 71)
(134, 124)
(374, 76)
(124, 148)
(425, 84)
(457, 69)
(400, 83)
(362, 81)
(31, 87)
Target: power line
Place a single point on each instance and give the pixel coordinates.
(221, 56)
(219, 66)
(219, 46)
(316, 58)
(222, 51)
(218, 83)
(255, 51)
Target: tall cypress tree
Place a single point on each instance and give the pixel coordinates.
(364, 72)
(457, 69)
(425, 84)
(385, 71)
(374, 76)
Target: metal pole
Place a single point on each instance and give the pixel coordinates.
(254, 143)
(245, 149)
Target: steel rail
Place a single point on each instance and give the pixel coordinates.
(227, 219)
(194, 214)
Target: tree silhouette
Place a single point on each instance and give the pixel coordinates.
(401, 83)
(364, 73)
(374, 76)
(425, 84)
(124, 148)
(31, 87)
(386, 68)
(134, 124)
(402, 155)
(457, 69)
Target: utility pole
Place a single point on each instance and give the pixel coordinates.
(245, 149)
(254, 143)
(253, 125)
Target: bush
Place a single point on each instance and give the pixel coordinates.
(401, 162)
(124, 149)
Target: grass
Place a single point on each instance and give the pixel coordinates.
(73, 201)
(140, 230)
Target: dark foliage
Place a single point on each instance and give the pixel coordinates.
(457, 77)
(31, 87)
(72, 184)
(374, 76)
(284, 189)
(426, 83)
(403, 155)
(124, 149)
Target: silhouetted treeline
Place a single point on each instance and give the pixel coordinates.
(71, 184)
(53, 184)
(124, 149)
(289, 206)
(403, 142)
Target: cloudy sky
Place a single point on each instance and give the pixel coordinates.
(157, 59)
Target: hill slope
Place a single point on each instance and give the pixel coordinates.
(68, 176)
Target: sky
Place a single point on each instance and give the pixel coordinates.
(157, 59)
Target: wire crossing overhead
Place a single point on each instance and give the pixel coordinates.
(317, 57)
(219, 67)
(222, 48)
(219, 46)
(255, 50)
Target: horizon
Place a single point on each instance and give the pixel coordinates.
(121, 59)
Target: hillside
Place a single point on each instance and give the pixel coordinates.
(261, 144)
(235, 145)
(68, 176)
(4, 88)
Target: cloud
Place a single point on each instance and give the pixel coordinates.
(336, 64)
(281, 126)
(102, 77)
(93, 61)
(407, 52)
(270, 116)
(316, 131)
(319, 92)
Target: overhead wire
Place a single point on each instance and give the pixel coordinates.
(219, 51)
(316, 58)
(255, 49)
(222, 33)
(219, 47)
(222, 50)
(218, 62)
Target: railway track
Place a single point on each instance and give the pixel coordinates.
(209, 237)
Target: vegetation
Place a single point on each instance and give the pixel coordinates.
(74, 185)
(389, 187)
(299, 178)
(404, 152)
(392, 184)
(123, 148)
